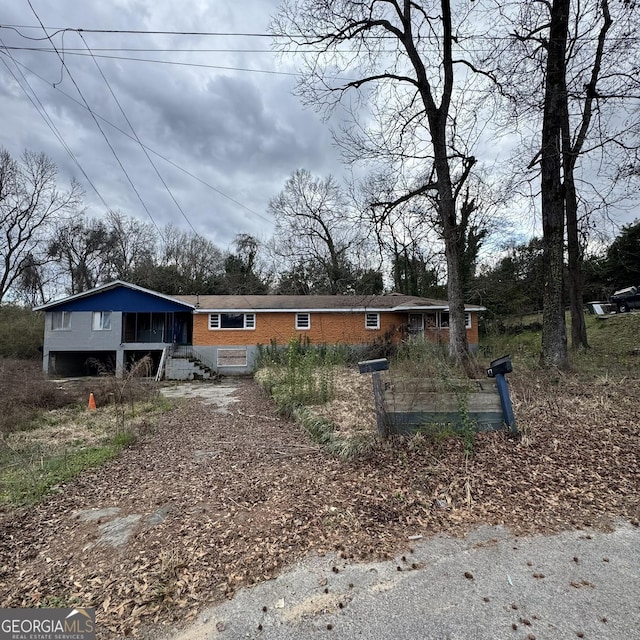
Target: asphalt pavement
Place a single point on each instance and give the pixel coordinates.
(490, 585)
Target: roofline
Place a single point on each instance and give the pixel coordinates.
(330, 309)
(106, 287)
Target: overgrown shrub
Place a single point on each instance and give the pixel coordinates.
(299, 374)
(21, 332)
(25, 392)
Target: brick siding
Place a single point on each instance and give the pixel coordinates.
(326, 328)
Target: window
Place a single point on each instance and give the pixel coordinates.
(372, 320)
(232, 321)
(416, 322)
(303, 320)
(61, 320)
(101, 320)
(444, 320)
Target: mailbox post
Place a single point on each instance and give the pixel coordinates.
(497, 369)
(374, 367)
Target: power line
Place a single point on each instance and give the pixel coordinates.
(171, 62)
(57, 30)
(133, 131)
(40, 108)
(156, 153)
(113, 151)
(173, 50)
(239, 34)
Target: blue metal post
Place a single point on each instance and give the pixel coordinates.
(505, 401)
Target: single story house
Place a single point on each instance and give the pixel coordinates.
(191, 336)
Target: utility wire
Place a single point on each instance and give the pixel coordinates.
(178, 64)
(113, 151)
(175, 50)
(133, 131)
(40, 108)
(231, 34)
(156, 153)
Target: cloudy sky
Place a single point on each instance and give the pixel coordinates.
(214, 109)
(216, 112)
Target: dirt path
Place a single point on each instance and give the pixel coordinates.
(213, 501)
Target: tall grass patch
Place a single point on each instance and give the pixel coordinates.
(300, 374)
(50, 436)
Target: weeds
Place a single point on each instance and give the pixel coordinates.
(54, 437)
(25, 394)
(299, 375)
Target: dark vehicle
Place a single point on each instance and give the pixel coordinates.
(626, 299)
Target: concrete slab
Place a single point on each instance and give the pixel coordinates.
(218, 394)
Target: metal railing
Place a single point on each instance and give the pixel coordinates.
(190, 353)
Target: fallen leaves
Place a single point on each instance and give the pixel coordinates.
(241, 509)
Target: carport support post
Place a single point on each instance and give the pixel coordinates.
(119, 363)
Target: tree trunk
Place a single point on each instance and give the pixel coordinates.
(554, 336)
(576, 275)
(571, 150)
(458, 344)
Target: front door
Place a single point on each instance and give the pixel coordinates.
(416, 323)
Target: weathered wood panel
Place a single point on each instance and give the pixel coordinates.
(410, 405)
(232, 357)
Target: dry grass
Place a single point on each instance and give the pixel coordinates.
(352, 410)
(25, 393)
(247, 494)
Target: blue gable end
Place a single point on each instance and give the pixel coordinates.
(120, 299)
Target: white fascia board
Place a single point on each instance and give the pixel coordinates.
(298, 310)
(352, 310)
(438, 308)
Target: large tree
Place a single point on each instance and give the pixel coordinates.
(568, 70)
(554, 337)
(81, 250)
(242, 271)
(30, 204)
(406, 61)
(133, 244)
(312, 226)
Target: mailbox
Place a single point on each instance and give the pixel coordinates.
(370, 366)
(500, 366)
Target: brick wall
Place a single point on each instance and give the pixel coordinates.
(326, 328)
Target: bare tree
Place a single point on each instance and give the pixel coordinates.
(554, 338)
(30, 204)
(311, 226)
(406, 61)
(133, 244)
(593, 95)
(82, 251)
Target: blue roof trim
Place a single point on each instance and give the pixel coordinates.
(120, 298)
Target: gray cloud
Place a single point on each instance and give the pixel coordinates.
(241, 132)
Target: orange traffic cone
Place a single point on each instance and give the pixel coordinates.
(92, 402)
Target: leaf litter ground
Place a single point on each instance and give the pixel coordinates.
(212, 502)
